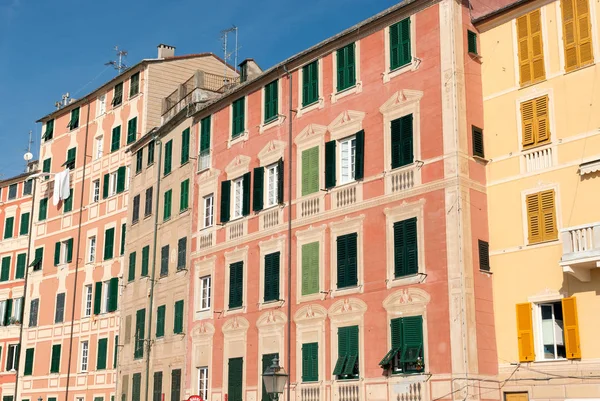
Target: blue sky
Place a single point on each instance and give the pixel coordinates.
(48, 48)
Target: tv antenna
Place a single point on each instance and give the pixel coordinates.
(226, 53)
(118, 64)
(28, 155)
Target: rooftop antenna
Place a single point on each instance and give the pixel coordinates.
(119, 65)
(226, 54)
(28, 155)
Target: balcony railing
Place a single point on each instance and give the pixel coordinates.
(236, 230)
(310, 206)
(310, 392)
(349, 392)
(270, 218)
(346, 195)
(205, 241)
(537, 159)
(402, 179)
(581, 250)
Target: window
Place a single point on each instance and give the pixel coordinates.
(134, 84)
(310, 362)
(310, 171)
(535, 122)
(310, 83)
(117, 95)
(84, 356)
(150, 153)
(402, 141)
(164, 261)
(71, 157)
(310, 268)
(346, 67)
(577, 34)
(167, 205)
(209, 202)
(106, 296)
(238, 117)
(271, 279)
(272, 190)
(148, 204)
(99, 147)
(135, 215)
(29, 354)
(184, 195)
(351, 164)
(140, 327)
(68, 203)
(5, 311)
(238, 198)
(101, 357)
(102, 104)
(33, 312)
(92, 249)
(347, 159)
(168, 157)
(400, 51)
(406, 353)
(123, 233)
(132, 131)
(235, 379)
(205, 284)
(531, 48)
(185, 146)
(178, 318)
(110, 184)
(267, 361)
(176, 384)
(157, 390)
(271, 101)
(74, 121)
(273, 174)
(12, 191)
(87, 310)
(17, 314)
(43, 209)
(46, 165)
(204, 143)
(21, 262)
(12, 357)
(406, 255)
(477, 138)
(241, 198)
(24, 225)
(131, 274)
(541, 217)
(49, 130)
(38, 260)
(63, 252)
(346, 366)
(236, 285)
(115, 141)
(145, 258)
(59, 313)
(27, 187)
(484, 255)
(347, 275)
(472, 42)
(5, 272)
(109, 243)
(203, 382)
(95, 191)
(139, 156)
(136, 384)
(9, 224)
(160, 321)
(181, 253)
(55, 359)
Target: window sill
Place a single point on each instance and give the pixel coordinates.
(317, 104)
(278, 303)
(185, 162)
(357, 88)
(241, 137)
(542, 243)
(234, 311)
(310, 297)
(134, 96)
(581, 67)
(273, 122)
(390, 74)
(537, 146)
(339, 292)
(406, 280)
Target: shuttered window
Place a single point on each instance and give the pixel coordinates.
(178, 317)
(97, 297)
(131, 275)
(525, 333)
(541, 217)
(140, 333)
(123, 233)
(310, 83)
(402, 141)
(267, 361)
(48, 134)
(21, 262)
(68, 203)
(185, 146)
(181, 253)
(164, 261)
(330, 164)
(271, 101)
(59, 313)
(136, 386)
(46, 165)
(400, 51)
(472, 42)
(118, 95)
(225, 201)
(238, 119)
(160, 321)
(176, 385)
(577, 33)
(236, 285)
(531, 49)
(148, 202)
(5, 272)
(535, 122)
(74, 121)
(33, 312)
(29, 354)
(347, 261)
(71, 157)
(235, 379)
(271, 279)
(139, 159)
(55, 359)
(132, 131)
(109, 243)
(24, 226)
(168, 157)
(406, 254)
(406, 351)
(145, 260)
(571, 328)
(310, 268)
(121, 178)
(102, 354)
(184, 195)
(157, 390)
(9, 227)
(135, 215)
(346, 67)
(115, 142)
(346, 366)
(134, 85)
(43, 209)
(484, 255)
(113, 294)
(310, 171)
(310, 362)
(167, 205)
(151, 145)
(477, 139)
(258, 189)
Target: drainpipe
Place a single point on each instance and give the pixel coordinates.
(85, 157)
(148, 343)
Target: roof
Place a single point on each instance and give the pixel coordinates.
(113, 81)
(483, 9)
(16, 178)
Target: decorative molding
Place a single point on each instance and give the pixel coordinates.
(407, 301)
(401, 99)
(238, 166)
(204, 329)
(310, 133)
(309, 313)
(235, 325)
(273, 151)
(347, 123)
(271, 318)
(345, 307)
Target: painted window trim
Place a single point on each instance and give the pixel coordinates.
(236, 255)
(537, 326)
(343, 227)
(358, 87)
(307, 236)
(320, 103)
(338, 318)
(267, 247)
(387, 75)
(558, 213)
(311, 136)
(244, 135)
(280, 118)
(208, 183)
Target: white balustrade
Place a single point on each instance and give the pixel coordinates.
(270, 218)
(205, 241)
(236, 230)
(537, 159)
(349, 392)
(310, 392)
(310, 206)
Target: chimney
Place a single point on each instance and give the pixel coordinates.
(249, 69)
(165, 51)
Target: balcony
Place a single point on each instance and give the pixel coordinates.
(581, 250)
(310, 392)
(402, 179)
(310, 206)
(537, 159)
(346, 195)
(350, 391)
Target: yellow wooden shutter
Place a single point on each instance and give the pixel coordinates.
(516, 396)
(548, 212)
(542, 128)
(571, 328)
(569, 35)
(584, 35)
(525, 333)
(534, 224)
(536, 46)
(527, 120)
(523, 40)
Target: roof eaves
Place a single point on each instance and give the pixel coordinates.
(499, 11)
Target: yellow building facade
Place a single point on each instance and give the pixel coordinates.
(541, 87)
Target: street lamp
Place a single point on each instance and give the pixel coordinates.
(275, 378)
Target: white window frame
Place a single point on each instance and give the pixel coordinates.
(350, 165)
(337, 229)
(96, 191)
(102, 104)
(3, 312)
(85, 350)
(88, 300)
(237, 206)
(205, 285)
(209, 210)
(17, 308)
(105, 295)
(14, 351)
(320, 103)
(415, 62)
(63, 252)
(99, 147)
(271, 180)
(268, 247)
(92, 245)
(112, 184)
(357, 88)
(203, 387)
(539, 330)
(127, 176)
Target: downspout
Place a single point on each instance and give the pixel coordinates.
(85, 157)
(27, 262)
(148, 342)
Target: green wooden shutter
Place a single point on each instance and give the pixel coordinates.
(246, 193)
(405, 46)
(351, 367)
(267, 361)
(160, 321)
(57, 247)
(271, 279)
(145, 260)
(134, 85)
(9, 227)
(140, 332)
(346, 67)
(24, 229)
(131, 130)
(43, 209)
(205, 134)
(8, 314)
(167, 205)
(29, 353)
(115, 142)
(102, 352)
(405, 248)
(121, 179)
(38, 260)
(341, 67)
(258, 189)
(412, 339)
(116, 352)
(330, 164)
(136, 385)
(235, 379)
(178, 318)
(151, 145)
(131, 274)
(310, 362)
(396, 342)
(236, 285)
(472, 42)
(109, 243)
(402, 141)
(359, 166)
(310, 171)
(55, 359)
(97, 297)
(123, 235)
(310, 268)
(225, 199)
(184, 195)
(271, 100)
(168, 157)
(238, 123)
(113, 294)
(310, 83)
(185, 146)
(347, 271)
(68, 203)
(280, 176)
(105, 186)
(21, 262)
(69, 250)
(342, 351)
(139, 157)
(5, 274)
